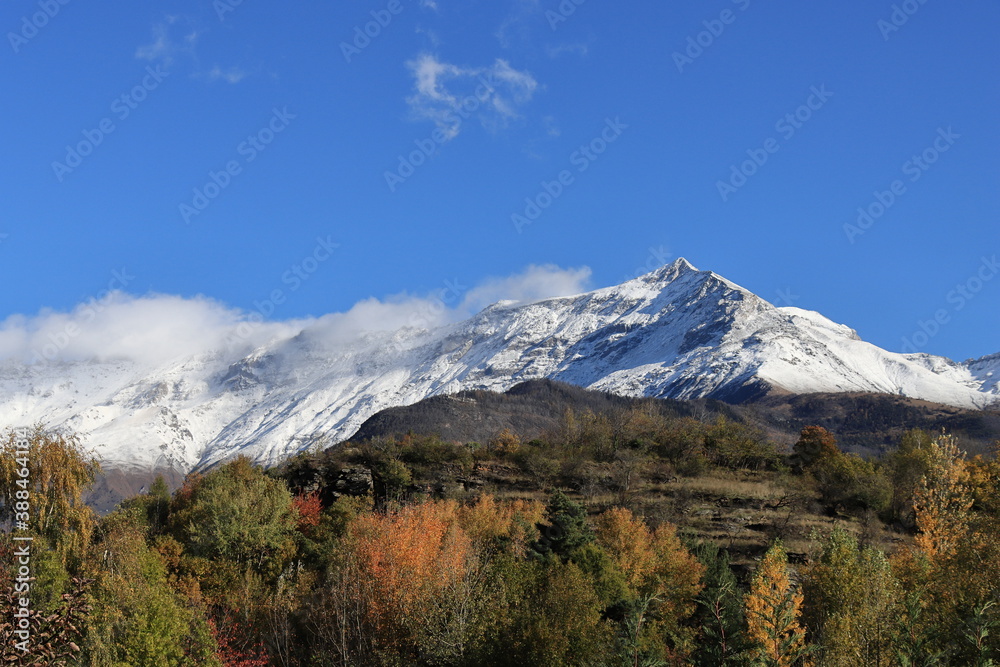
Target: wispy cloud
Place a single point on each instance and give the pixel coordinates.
(176, 37)
(557, 50)
(448, 94)
(516, 26)
(230, 75)
(151, 330)
(172, 37)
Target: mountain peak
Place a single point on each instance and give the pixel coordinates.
(669, 272)
(674, 332)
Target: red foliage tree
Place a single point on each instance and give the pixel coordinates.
(234, 649)
(308, 506)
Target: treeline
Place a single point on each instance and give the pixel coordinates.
(434, 565)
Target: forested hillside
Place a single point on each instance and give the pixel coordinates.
(864, 423)
(620, 535)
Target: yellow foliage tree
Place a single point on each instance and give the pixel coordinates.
(629, 543)
(659, 572)
(953, 568)
(490, 524)
(943, 500)
(773, 607)
(505, 442)
(51, 484)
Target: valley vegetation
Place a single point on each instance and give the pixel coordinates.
(617, 538)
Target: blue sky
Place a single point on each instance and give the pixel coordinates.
(234, 149)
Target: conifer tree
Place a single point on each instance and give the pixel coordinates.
(773, 607)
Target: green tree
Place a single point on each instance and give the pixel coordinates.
(553, 618)
(565, 529)
(907, 465)
(720, 614)
(852, 603)
(237, 514)
(850, 483)
(138, 619)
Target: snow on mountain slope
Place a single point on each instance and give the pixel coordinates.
(675, 332)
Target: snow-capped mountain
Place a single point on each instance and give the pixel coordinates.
(676, 332)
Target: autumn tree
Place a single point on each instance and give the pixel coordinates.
(814, 443)
(852, 603)
(50, 482)
(309, 509)
(505, 442)
(662, 580)
(952, 570)
(773, 607)
(404, 580)
(507, 527)
(943, 500)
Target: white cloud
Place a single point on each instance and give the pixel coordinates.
(578, 49)
(429, 4)
(231, 75)
(453, 302)
(517, 25)
(157, 329)
(173, 36)
(449, 95)
(151, 330)
(533, 284)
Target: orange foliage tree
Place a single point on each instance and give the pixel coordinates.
(662, 578)
(943, 500)
(397, 570)
(773, 607)
(507, 526)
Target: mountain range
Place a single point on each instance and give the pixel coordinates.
(676, 332)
